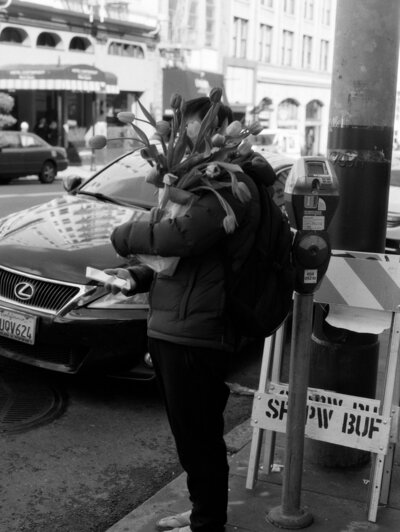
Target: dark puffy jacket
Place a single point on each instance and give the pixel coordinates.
(189, 306)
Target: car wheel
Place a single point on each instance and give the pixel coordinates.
(48, 172)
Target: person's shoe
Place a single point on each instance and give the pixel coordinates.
(173, 522)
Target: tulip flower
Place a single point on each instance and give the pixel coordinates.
(244, 147)
(193, 129)
(126, 117)
(217, 140)
(163, 127)
(195, 157)
(215, 95)
(175, 101)
(234, 129)
(169, 179)
(98, 142)
(212, 170)
(255, 128)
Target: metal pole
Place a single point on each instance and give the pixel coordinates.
(289, 514)
(94, 120)
(360, 139)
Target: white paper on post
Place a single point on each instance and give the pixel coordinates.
(359, 320)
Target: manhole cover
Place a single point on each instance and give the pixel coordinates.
(27, 400)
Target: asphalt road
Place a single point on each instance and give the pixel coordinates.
(110, 447)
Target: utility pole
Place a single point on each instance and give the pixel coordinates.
(362, 111)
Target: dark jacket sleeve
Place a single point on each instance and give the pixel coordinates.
(143, 276)
(192, 234)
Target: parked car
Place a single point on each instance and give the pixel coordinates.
(284, 141)
(51, 315)
(393, 217)
(24, 153)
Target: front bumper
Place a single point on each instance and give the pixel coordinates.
(83, 339)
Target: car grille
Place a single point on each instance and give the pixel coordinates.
(49, 296)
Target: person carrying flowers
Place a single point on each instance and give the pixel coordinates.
(206, 218)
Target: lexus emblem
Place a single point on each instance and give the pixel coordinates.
(24, 291)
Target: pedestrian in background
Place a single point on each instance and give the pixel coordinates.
(41, 128)
(191, 336)
(52, 133)
(24, 127)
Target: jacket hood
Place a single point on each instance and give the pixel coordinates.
(60, 238)
(259, 169)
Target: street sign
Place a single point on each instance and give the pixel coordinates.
(329, 422)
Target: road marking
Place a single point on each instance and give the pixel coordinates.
(31, 195)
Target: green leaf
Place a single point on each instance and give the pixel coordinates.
(141, 134)
(180, 149)
(147, 114)
(206, 124)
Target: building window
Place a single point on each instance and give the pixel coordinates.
(324, 56)
(288, 7)
(267, 3)
(326, 12)
(240, 27)
(288, 111)
(13, 35)
(48, 40)
(314, 110)
(191, 29)
(287, 48)
(210, 23)
(265, 43)
(307, 52)
(125, 50)
(309, 9)
(80, 44)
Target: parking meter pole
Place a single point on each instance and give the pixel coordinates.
(289, 514)
(311, 198)
(362, 111)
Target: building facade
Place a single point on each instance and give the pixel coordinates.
(278, 65)
(78, 62)
(275, 57)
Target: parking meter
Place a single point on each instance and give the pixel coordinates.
(311, 198)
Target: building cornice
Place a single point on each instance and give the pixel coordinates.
(34, 15)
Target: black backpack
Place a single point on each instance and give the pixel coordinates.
(260, 293)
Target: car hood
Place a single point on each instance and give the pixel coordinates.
(60, 238)
(394, 200)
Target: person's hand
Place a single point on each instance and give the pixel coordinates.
(120, 273)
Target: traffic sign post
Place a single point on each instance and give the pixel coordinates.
(353, 422)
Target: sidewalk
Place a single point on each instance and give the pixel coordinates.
(336, 498)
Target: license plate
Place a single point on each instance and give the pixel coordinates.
(18, 326)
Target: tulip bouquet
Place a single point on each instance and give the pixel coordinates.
(190, 158)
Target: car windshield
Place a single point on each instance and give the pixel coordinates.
(124, 181)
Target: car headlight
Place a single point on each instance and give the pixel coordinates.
(137, 301)
(393, 219)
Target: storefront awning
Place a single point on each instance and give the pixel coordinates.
(189, 84)
(82, 78)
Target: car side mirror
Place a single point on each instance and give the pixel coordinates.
(71, 183)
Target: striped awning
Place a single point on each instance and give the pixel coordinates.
(81, 78)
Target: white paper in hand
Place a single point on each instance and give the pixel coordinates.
(102, 277)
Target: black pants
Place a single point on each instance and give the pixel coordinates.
(195, 394)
